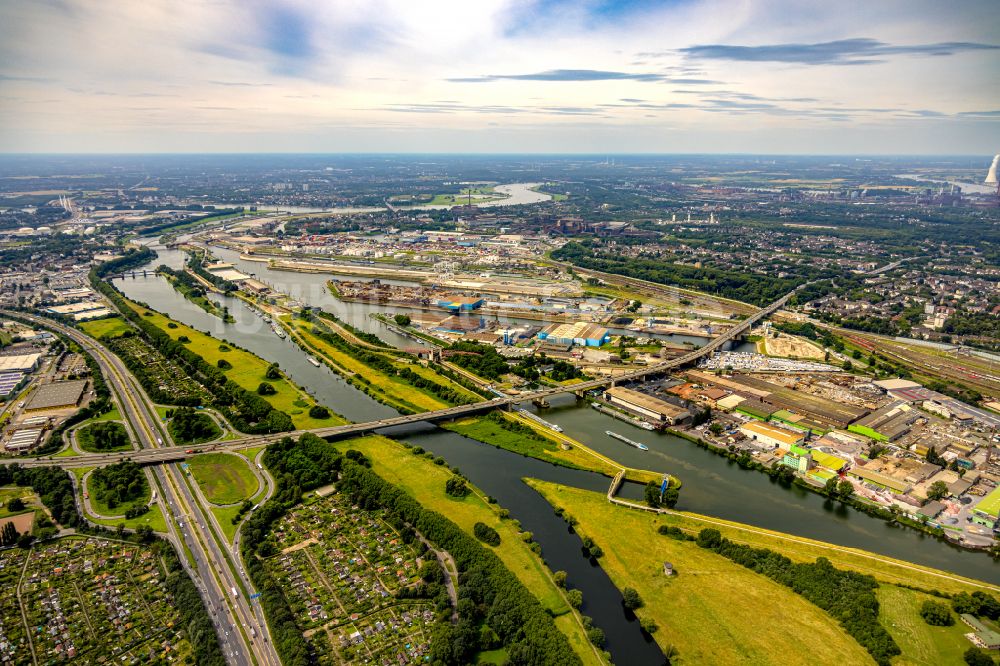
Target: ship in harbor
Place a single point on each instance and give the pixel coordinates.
(538, 419)
(623, 438)
(313, 361)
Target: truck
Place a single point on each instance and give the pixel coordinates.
(236, 593)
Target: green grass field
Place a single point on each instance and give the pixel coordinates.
(611, 525)
(106, 329)
(425, 481)
(713, 611)
(9, 493)
(922, 644)
(110, 415)
(224, 478)
(485, 430)
(247, 370)
(154, 518)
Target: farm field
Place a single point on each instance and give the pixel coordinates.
(615, 528)
(224, 478)
(93, 600)
(247, 370)
(419, 476)
(106, 329)
(345, 573)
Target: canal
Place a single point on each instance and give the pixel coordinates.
(713, 485)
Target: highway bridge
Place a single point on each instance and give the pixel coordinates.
(173, 454)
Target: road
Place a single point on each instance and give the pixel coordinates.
(214, 573)
(155, 454)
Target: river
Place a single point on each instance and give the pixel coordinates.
(712, 485)
(515, 194)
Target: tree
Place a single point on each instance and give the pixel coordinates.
(830, 488)
(456, 487)
(560, 578)
(936, 614)
(319, 412)
(716, 428)
(977, 657)
(266, 389)
(709, 538)
(631, 598)
(402, 319)
(486, 534)
(575, 598)
(648, 625)
(223, 364)
(937, 490)
(652, 494)
(273, 373)
(845, 489)
(25, 540)
(16, 504)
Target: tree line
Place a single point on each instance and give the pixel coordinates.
(847, 596)
(495, 609)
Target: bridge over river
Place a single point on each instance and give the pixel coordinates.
(173, 454)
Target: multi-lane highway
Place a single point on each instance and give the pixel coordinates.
(217, 573)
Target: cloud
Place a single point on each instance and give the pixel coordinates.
(564, 75)
(859, 51)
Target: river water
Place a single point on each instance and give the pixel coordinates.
(712, 485)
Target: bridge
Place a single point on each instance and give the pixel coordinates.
(136, 273)
(154, 456)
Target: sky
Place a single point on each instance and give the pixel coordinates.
(490, 76)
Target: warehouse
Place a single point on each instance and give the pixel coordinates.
(888, 423)
(22, 363)
(582, 333)
(646, 406)
(22, 440)
(771, 436)
(57, 395)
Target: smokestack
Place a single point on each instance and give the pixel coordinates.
(991, 177)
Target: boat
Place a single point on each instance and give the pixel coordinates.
(604, 409)
(623, 438)
(280, 332)
(646, 426)
(313, 361)
(538, 419)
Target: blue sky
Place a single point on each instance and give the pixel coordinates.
(767, 76)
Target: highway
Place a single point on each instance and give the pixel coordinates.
(188, 525)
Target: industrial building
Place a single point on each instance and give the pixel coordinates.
(582, 333)
(24, 439)
(888, 423)
(771, 436)
(987, 511)
(646, 406)
(21, 363)
(57, 395)
(460, 303)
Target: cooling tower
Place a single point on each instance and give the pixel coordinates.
(991, 177)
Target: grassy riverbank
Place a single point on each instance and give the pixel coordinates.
(246, 369)
(392, 390)
(196, 296)
(425, 481)
(702, 592)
